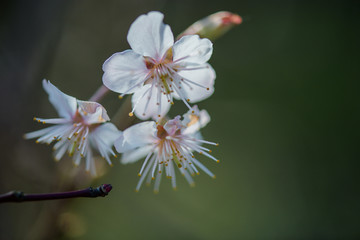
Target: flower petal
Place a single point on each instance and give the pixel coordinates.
(204, 77)
(134, 155)
(136, 136)
(92, 112)
(64, 104)
(173, 125)
(149, 36)
(192, 49)
(147, 108)
(195, 121)
(107, 133)
(123, 71)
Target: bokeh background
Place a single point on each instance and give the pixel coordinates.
(285, 111)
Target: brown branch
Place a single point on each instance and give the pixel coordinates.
(17, 196)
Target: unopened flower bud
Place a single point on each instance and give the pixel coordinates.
(213, 26)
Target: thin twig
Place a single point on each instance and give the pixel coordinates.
(16, 196)
(99, 94)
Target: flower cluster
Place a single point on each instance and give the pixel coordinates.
(156, 70)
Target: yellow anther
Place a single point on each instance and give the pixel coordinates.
(208, 89)
(197, 173)
(131, 114)
(136, 190)
(217, 145)
(121, 97)
(210, 151)
(152, 178)
(179, 165)
(139, 174)
(160, 171)
(218, 161)
(188, 100)
(34, 118)
(214, 177)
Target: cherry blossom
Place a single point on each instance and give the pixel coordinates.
(81, 127)
(157, 70)
(167, 147)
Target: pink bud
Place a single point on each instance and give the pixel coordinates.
(214, 25)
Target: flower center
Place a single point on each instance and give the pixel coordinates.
(161, 71)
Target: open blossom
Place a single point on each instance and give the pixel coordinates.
(81, 127)
(166, 147)
(157, 69)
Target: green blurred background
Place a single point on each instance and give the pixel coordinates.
(285, 112)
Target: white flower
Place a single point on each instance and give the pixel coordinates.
(157, 69)
(80, 128)
(167, 147)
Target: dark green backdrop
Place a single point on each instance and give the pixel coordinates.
(285, 111)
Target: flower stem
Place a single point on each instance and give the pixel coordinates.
(99, 94)
(16, 196)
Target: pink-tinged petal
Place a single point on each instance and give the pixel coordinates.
(173, 125)
(123, 71)
(198, 84)
(64, 104)
(145, 101)
(192, 49)
(136, 136)
(135, 155)
(92, 112)
(149, 36)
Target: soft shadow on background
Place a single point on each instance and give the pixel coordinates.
(285, 112)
